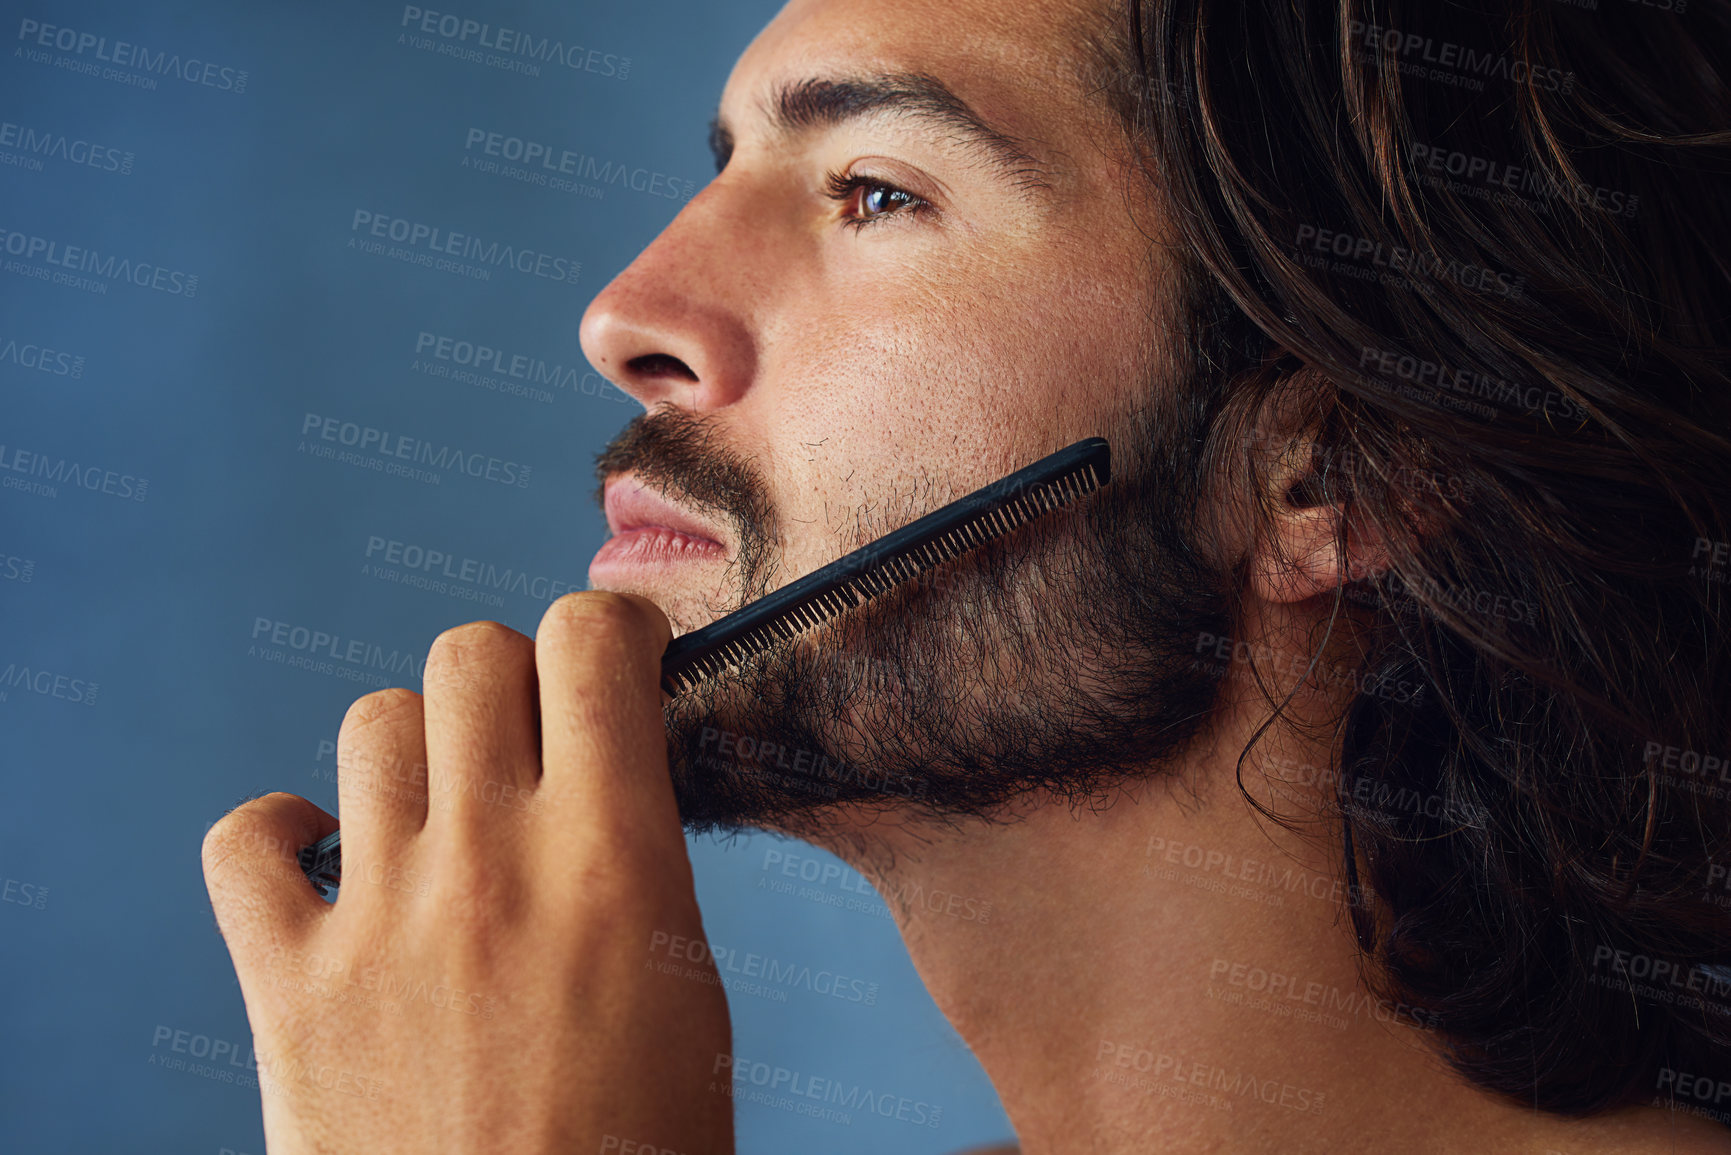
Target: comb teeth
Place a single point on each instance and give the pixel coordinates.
(880, 566)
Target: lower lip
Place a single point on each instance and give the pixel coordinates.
(653, 546)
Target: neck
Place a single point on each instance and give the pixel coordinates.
(1176, 966)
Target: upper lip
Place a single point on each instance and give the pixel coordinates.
(632, 506)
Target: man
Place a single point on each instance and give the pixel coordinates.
(1337, 774)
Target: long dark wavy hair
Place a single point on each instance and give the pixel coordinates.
(1488, 246)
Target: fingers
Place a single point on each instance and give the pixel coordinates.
(603, 741)
(483, 745)
(574, 715)
(381, 774)
(252, 871)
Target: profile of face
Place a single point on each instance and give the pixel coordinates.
(924, 263)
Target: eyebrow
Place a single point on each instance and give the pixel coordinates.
(816, 103)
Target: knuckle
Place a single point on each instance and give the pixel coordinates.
(244, 832)
(590, 608)
(218, 848)
(595, 615)
(389, 705)
(474, 642)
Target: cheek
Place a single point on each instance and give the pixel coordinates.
(1004, 362)
(901, 407)
(888, 389)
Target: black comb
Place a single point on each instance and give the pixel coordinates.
(868, 572)
(879, 566)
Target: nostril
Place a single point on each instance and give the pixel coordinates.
(660, 365)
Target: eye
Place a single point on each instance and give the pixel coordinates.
(866, 200)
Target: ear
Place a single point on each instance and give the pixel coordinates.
(1297, 554)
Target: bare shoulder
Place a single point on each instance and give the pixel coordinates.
(1645, 1130)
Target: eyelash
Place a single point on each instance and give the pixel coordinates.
(844, 188)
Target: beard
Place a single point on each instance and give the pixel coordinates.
(1059, 659)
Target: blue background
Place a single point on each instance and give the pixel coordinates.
(106, 936)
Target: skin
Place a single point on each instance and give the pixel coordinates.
(923, 355)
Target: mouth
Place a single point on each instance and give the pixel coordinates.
(649, 533)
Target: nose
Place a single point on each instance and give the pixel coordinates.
(674, 326)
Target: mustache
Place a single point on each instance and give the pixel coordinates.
(683, 456)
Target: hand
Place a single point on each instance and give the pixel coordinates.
(484, 981)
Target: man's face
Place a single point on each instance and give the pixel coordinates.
(924, 264)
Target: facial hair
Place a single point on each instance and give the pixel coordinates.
(1060, 658)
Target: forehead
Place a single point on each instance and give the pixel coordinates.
(1020, 63)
